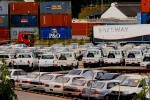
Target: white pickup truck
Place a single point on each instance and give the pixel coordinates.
(145, 61)
(66, 59)
(47, 60)
(114, 57)
(25, 60)
(93, 57)
(133, 57)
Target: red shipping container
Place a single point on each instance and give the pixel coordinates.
(80, 29)
(53, 20)
(145, 6)
(46, 20)
(4, 33)
(83, 28)
(24, 8)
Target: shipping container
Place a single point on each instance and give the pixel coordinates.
(24, 8)
(55, 32)
(54, 20)
(80, 29)
(83, 28)
(121, 33)
(145, 6)
(4, 33)
(145, 18)
(24, 21)
(4, 21)
(3, 8)
(14, 31)
(55, 7)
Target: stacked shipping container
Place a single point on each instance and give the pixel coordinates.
(23, 18)
(4, 22)
(55, 20)
(144, 16)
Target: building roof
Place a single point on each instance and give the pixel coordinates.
(129, 9)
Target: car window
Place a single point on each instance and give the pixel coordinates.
(1, 56)
(75, 78)
(6, 56)
(47, 77)
(89, 83)
(98, 85)
(75, 72)
(58, 76)
(110, 85)
(85, 71)
(47, 57)
(79, 82)
(23, 73)
(88, 74)
(63, 80)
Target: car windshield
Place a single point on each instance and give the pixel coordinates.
(32, 75)
(135, 52)
(25, 56)
(62, 79)
(47, 57)
(79, 82)
(47, 77)
(98, 85)
(67, 54)
(130, 82)
(75, 72)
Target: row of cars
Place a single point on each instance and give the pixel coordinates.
(57, 55)
(84, 83)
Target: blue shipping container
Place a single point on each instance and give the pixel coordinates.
(3, 8)
(24, 21)
(145, 18)
(55, 7)
(3, 21)
(55, 32)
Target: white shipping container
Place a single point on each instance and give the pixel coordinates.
(122, 32)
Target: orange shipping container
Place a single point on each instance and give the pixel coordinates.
(53, 20)
(24, 8)
(145, 6)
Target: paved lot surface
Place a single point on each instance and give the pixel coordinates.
(31, 96)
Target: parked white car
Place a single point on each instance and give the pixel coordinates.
(66, 59)
(77, 87)
(133, 57)
(24, 83)
(25, 60)
(145, 63)
(58, 85)
(93, 57)
(114, 57)
(16, 75)
(41, 83)
(99, 89)
(47, 60)
(130, 87)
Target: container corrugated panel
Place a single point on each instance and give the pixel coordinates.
(54, 20)
(145, 18)
(14, 31)
(80, 29)
(4, 33)
(55, 7)
(145, 6)
(55, 32)
(3, 8)
(24, 21)
(3, 21)
(24, 8)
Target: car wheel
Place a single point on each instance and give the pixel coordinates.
(85, 65)
(100, 64)
(10, 65)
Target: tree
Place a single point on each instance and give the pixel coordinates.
(7, 87)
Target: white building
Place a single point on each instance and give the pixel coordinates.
(122, 11)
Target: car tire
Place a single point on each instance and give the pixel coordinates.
(101, 64)
(90, 55)
(85, 65)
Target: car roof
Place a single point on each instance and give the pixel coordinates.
(106, 81)
(67, 75)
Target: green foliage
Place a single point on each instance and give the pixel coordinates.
(142, 94)
(81, 41)
(7, 87)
